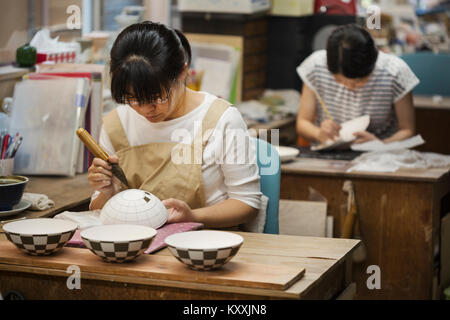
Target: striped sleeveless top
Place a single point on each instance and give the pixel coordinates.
(390, 81)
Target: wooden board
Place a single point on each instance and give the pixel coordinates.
(160, 267)
(67, 193)
(303, 218)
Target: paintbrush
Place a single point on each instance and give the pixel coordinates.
(324, 107)
(98, 152)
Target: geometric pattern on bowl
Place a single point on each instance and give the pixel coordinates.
(40, 245)
(204, 259)
(119, 252)
(134, 206)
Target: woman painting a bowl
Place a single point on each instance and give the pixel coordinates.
(157, 117)
(354, 79)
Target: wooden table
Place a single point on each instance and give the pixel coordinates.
(433, 123)
(327, 263)
(67, 193)
(400, 220)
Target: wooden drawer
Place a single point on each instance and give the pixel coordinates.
(254, 62)
(256, 27)
(224, 24)
(254, 79)
(255, 45)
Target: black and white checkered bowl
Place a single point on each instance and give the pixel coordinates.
(205, 249)
(40, 237)
(118, 242)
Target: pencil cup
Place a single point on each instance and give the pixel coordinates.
(6, 167)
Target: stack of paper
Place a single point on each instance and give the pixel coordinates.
(47, 113)
(377, 145)
(219, 65)
(93, 119)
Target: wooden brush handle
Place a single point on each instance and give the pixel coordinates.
(92, 145)
(349, 223)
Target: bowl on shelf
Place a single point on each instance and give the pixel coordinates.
(118, 242)
(39, 237)
(205, 249)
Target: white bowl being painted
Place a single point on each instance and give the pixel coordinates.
(119, 242)
(134, 206)
(40, 236)
(352, 126)
(205, 249)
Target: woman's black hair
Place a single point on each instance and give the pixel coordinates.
(351, 51)
(146, 60)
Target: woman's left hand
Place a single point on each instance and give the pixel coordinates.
(364, 136)
(179, 211)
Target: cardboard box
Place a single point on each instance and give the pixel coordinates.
(294, 8)
(224, 6)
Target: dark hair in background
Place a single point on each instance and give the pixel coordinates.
(351, 51)
(146, 59)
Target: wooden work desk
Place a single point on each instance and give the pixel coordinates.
(67, 193)
(400, 220)
(433, 123)
(327, 263)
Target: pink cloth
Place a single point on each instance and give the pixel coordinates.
(157, 243)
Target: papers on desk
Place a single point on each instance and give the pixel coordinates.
(377, 145)
(391, 161)
(389, 157)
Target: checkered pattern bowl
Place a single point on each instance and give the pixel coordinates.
(40, 237)
(204, 250)
(118, 242)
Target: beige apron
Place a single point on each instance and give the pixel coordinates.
(150, 166)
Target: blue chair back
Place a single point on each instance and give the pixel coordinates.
(433, 71)
(270, 172)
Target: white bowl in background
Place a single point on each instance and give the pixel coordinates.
(287, 153)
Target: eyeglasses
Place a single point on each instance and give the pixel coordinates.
(134, 103)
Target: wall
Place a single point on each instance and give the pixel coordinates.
(57, 10)
(13, 16)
